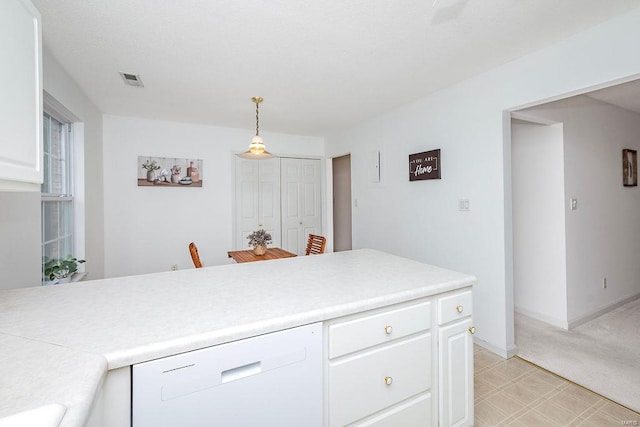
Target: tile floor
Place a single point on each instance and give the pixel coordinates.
(516, 393)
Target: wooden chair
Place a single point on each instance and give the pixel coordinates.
(315, 244)
(194, 255)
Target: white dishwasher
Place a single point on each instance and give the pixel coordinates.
(268, 380)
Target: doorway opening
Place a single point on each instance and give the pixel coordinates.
(575, 287)
(342, 226)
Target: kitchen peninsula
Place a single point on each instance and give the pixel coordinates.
(73, 346)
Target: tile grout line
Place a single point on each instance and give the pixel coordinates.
(578, 385)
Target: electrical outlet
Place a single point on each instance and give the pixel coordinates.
(463, 205)
(604, 283)
(174, 267)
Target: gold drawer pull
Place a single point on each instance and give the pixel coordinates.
(388, 329)
(459, 309)
(388, 380)
(472, 329)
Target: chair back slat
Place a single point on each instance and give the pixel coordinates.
(315, 244)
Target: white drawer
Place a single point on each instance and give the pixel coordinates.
(360, 333)
(358, 387)
(412, 413)
(455, 306)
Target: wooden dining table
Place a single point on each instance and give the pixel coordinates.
(249, 256)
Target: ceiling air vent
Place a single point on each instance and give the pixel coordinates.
(132, 79)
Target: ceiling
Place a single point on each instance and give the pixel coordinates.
(320, 65)
(625, 95)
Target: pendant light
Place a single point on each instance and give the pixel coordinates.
(256, 150)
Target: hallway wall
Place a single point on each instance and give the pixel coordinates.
(603, 234)
(539, 246)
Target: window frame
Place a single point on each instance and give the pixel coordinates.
(74, 182)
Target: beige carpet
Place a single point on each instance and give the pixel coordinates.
(602, 355)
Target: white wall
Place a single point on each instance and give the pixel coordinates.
(20, 217)
(539, 248)
(603, 234)
(61, 86)
(20, 252)
(148, 229)
(467, 121)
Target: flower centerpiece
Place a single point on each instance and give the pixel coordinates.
(151, 166)
(259, 239)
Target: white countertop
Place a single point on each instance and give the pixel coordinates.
(134, 319)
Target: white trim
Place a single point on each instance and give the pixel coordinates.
(504, 353)
(542, 317)
(519, 115)
(56, 110)
(586, 318)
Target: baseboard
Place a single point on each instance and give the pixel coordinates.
(542, 317)
(505, 354)
(599, 312)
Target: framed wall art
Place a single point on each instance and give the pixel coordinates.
(169, 172)
(629, 168)
(424, 165)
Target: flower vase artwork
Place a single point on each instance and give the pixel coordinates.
(175, 174)
(151, 166)
(169, 172)
(259, 239)
(193, 173)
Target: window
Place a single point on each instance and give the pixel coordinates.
(57, 189)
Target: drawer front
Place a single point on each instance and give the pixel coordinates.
(413, 413)
(358, 385)
(455, 306)
(357, 334)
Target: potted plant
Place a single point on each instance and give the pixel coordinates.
(259, 239)
(151, 166)
(60, 270)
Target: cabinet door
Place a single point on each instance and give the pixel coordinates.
(21, 89)
(455, 355)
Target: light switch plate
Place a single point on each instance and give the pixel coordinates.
(573, 204)
(374, 166)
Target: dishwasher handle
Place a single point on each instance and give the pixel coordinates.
(240, 372)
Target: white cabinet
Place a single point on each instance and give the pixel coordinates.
(408, 364)
(455, 359)
(380, 367)
(21, 100)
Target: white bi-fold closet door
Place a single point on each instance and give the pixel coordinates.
(281, 195)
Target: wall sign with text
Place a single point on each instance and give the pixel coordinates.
(424, 165)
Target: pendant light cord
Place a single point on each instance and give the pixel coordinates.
(257, 119)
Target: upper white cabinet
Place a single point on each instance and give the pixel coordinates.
(21, 99)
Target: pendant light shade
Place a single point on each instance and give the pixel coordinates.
(257, 149)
